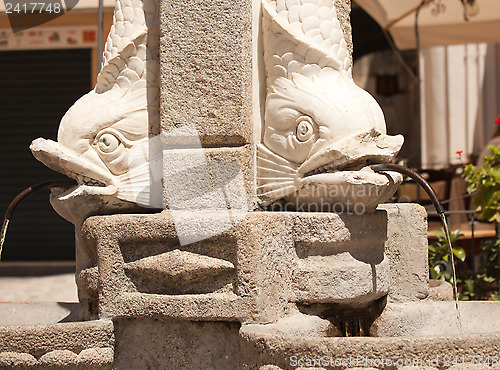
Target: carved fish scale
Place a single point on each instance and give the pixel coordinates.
(303, 36)
(131, 53)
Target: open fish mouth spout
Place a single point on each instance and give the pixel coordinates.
(63, 160)
(337, 175)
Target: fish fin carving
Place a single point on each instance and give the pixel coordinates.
(276, 175)
(142, 183)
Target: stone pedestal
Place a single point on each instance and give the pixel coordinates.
(257, 270)
(269, 269)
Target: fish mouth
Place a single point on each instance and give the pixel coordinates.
(64, 160)
(352, 154)
(334, 167)
(339, 175)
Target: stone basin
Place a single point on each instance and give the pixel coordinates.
(466, 351)
(69, 345)
(430, 319)
(419, 334)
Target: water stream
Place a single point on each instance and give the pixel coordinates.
(441, 212)
(452, 262)
(3, 232)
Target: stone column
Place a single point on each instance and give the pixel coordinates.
(206, 101)
(207, 72)
(343, 11)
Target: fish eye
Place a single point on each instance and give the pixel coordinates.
(305, 128)
(108, 143)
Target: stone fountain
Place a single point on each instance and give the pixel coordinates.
(226, 214)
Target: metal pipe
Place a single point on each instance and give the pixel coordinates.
(418, 179)
(439, 209)
(26, 192)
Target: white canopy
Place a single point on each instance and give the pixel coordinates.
(441, 22)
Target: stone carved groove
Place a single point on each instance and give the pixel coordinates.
(180, 272)
(320, 130)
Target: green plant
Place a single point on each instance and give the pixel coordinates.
(484, 284)
(486, 180)
(439, 257)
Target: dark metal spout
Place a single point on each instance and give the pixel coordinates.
(31, 190)
(415, 176)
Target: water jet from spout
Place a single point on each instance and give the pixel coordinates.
(440, 211)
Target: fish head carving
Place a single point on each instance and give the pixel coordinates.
(321, 131)
(105, 130)
(103, 143)
(305, 115)
(104, 140)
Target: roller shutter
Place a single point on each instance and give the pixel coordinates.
(36, 89)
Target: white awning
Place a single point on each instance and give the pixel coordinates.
(441, 22)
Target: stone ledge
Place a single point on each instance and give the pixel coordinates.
(199, 307)
(91, 358)
(428, 318)
(262, 347)
(37, 340)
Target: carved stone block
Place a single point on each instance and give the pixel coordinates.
(206, 70)
(257, 268)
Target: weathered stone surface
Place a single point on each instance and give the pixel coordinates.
(440, 290)
(58, 358)
(38, 340)
(176, 344)
(340, 257)
(186, 272)
(261, 346)
(279, 258)
(276, 255)
(209, 179)
(300, 325)
(96, 357)
(406, 249)
(15, 360)
(428, 318)
(343, 14)
(206, 70)
(88, 359)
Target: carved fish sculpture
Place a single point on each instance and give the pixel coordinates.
(320, 129)
(105, 140)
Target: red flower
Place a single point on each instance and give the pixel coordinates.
(459, 152)
(497, 121)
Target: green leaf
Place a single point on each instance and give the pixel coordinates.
(459, 253)
(470, 286)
